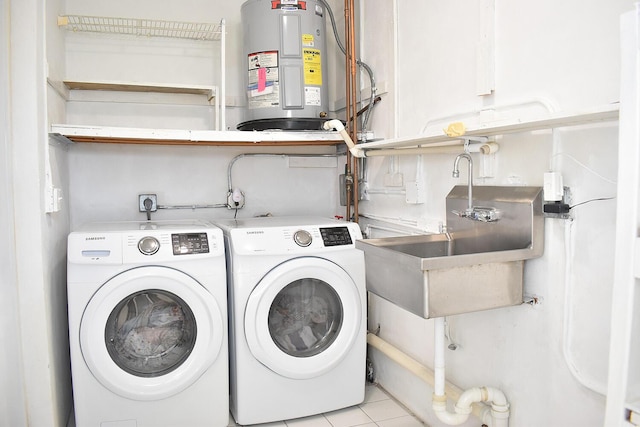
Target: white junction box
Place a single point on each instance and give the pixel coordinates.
(553, 187)
(415, 193)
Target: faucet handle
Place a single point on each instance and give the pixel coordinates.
(480, 213)
(486, 214)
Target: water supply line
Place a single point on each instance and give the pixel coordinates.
(351, 108)
(373, 99)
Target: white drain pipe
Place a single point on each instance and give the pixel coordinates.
(469, 402)
(480, 410)
(463, 407)
(453, 147)
(337, 125)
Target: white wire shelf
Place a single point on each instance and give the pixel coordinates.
(142, 27)
(154, 28)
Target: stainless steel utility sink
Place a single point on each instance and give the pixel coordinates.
(475, 266)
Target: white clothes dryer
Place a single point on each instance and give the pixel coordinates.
(148, 334)
(297, 317)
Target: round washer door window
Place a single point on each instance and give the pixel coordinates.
(303, 317)
(150, 332)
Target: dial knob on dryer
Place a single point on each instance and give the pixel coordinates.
(302, 238)
(148, 245)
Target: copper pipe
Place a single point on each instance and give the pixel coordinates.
(354, 111)
(348, 101)
(351, 105)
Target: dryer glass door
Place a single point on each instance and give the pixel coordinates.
(303, 317)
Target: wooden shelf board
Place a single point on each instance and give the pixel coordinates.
(102, 140)
(141, 87)
(112, 135)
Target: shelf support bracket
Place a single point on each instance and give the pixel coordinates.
(473, 139)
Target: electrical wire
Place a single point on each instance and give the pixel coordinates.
(284, 155)
(592, 200)
(569, 156)
(217, 205)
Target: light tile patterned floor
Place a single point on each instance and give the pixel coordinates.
(378, 409)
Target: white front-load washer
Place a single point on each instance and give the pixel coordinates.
(147, 306)
(297, 317)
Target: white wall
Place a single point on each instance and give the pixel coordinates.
(38, 387)
(565, 54)
(96, 57)
(12, 400)
(105, 180)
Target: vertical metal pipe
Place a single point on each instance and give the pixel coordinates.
(348, 101)
(354, 106)
(351, 105)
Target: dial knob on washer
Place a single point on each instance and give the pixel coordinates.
(302, 238)
(148, 245)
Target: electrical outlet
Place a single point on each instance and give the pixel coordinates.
(235, 199)
(154, 202)
(560, 209)
(553, 187)
(53, 199)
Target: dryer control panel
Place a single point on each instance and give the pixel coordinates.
(294, 239)
(335, 236)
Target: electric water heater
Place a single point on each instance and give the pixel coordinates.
(284, 64)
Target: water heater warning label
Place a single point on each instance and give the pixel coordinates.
(307, 40)
(312, 67)
(263, 81)
(312, 96)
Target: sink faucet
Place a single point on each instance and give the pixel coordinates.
(456, 174)
(477, 213)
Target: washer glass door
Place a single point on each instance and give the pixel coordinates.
(303, 317)
(150, 332)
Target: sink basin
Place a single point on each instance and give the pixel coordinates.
(474, 266)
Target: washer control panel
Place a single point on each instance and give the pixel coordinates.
(335, 236)
(190, 243)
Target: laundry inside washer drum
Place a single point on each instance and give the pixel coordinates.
(150, 333)
(305, 317)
